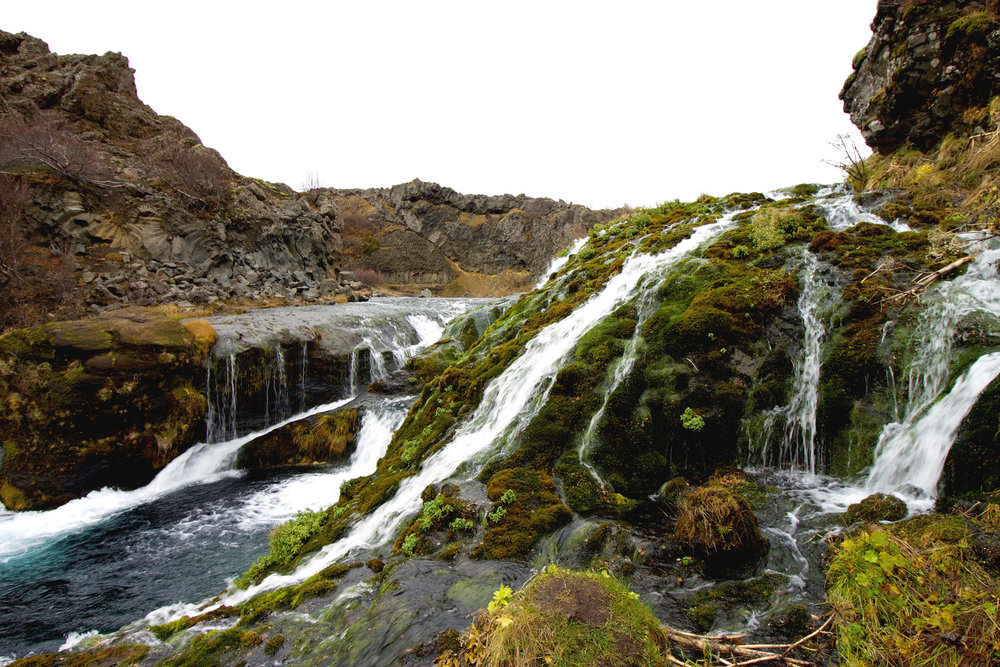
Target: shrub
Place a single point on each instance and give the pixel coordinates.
(197, 172)
(410, 544)
(741, 251)
(912, 594)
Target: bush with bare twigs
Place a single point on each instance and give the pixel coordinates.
(196, 172)
(45, 142)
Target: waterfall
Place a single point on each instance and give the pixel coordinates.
(202, 463)
(561, 261)
(798, 439)
(509, 402)
(220, 417)
(912, 451)
(913, 454)
(622, 368)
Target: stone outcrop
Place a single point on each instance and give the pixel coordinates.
(424, 233)
(134, 209)
(101, 402)
(927, 70)
(130, 208)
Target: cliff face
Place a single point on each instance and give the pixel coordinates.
(123, 206)
(926, 72)
(427, 234)
(108, 204)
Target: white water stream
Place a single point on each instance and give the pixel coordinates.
(911, 453)
(561, 261)
(797, 446)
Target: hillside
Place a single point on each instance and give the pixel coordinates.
(108, 204)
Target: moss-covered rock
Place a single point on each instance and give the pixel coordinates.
(564, 618)
(93, 403)
(719, 525)
(316, 440)
(876, 507)
(973, 464)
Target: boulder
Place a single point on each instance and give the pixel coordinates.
(95, 403)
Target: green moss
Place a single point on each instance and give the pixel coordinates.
(319, 585)
(596, 619)
(876, 507)
(122, 655)
(167, 630)
(971, 26)
(287, 542)
(536, 511)
(859, 57)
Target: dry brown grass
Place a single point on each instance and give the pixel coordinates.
(204, 333)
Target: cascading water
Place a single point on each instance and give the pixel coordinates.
(797, 419)
(622, 368)
(509, 402)
(910, 454)
(196, 524)
(561, 261)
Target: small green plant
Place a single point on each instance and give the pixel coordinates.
(410, 449)
(586, 253)
(497, 514)
(501, 598)
(741, 251)
(691, 420)
(410, 544)
(434, 509)
(286, 542)
(508, 497)
(641, 220)
(461, 525)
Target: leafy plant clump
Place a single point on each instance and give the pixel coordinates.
(912, 594)
(691, 420)
(286, 542)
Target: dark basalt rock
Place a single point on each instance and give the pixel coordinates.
(927, 68)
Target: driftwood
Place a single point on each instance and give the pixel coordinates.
(726, 649)
(925, 281)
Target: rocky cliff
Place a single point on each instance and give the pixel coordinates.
(108, 204)
(929, 70)
(426, 234)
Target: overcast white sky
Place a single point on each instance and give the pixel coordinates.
(599, 103)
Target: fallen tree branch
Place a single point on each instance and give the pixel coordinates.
(926, 280)
(740, 655)
(728, 646)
